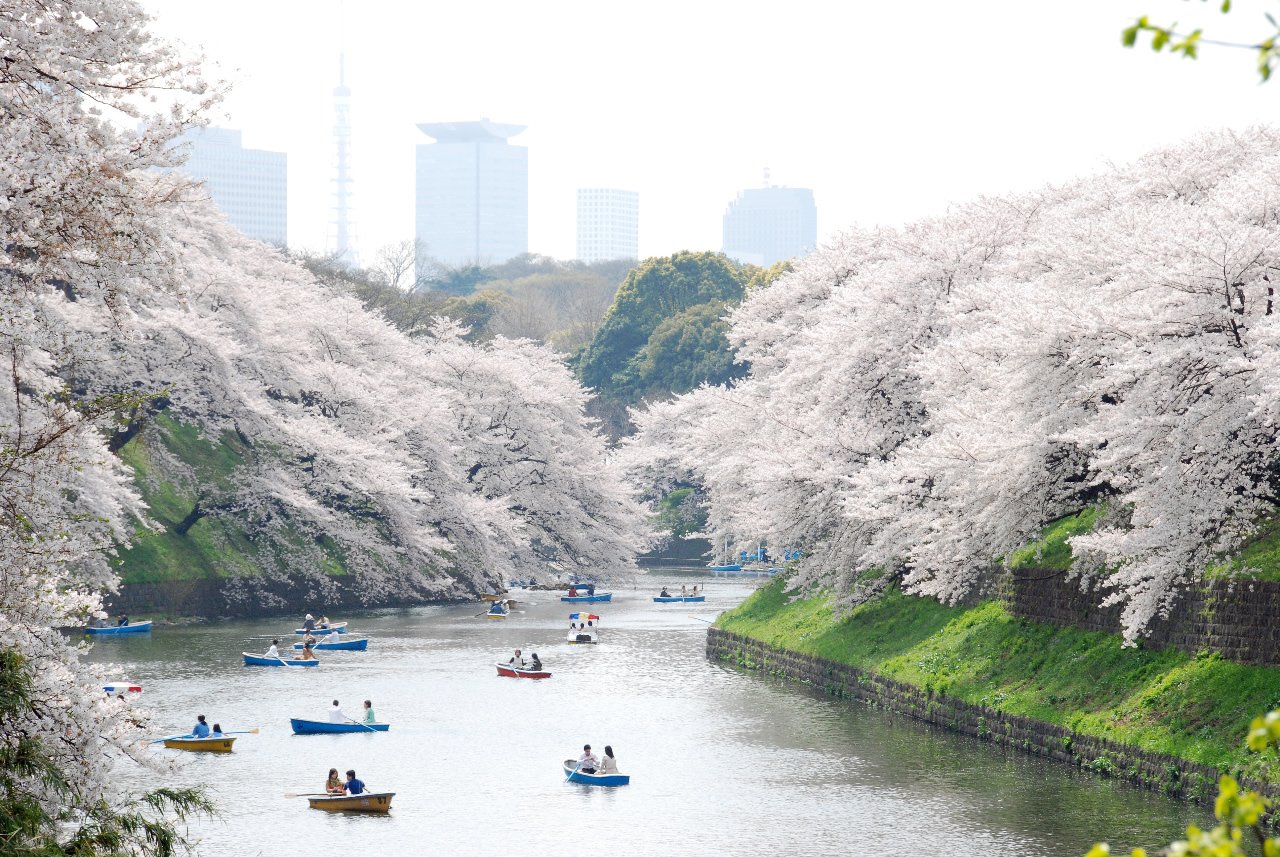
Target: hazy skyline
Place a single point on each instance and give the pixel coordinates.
(889, 112)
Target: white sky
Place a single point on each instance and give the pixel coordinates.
(888, 110)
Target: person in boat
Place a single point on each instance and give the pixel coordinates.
(309, 623)
(535, 663)
(337, 715)
(272, 650)
(334, 785)
(123, 620)
(323, 623)
(353, 785)
(664, 593)
(306, 654)
(517, 660)
(587, 762)
(201, 729)
(334, 637)
(608, 764)
(591, 590)
(573, 591)
(369, 717)
(683, 591)
(217, 731)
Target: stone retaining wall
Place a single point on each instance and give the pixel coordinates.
(247, 597)
(1239, 619)
(1155, 771)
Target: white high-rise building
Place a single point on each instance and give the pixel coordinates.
(769, 224)
(472, 194)
(608, 224)
(249, 186)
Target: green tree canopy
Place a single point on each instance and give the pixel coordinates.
(685, 350)
(656, 291)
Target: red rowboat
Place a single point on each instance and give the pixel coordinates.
(520, 672)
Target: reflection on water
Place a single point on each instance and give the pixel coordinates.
(721, 761)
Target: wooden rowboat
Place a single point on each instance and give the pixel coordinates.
(259, 661)
(344, 645)
(573, 775)
(367, 802)
(111, 630)
(671, 599)
(489, 596)
(520, 672)
(584, 599)
(340, 627)
(323, 727)
(221, 744)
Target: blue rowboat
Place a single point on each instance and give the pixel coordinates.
(320, 727)
(573, 775)
(135, 628)
(671, 599)
(340, 627)
(343, 646)
(733, 566)
(260, 661)
(585, 599)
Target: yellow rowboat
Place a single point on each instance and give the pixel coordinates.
(201, 745)
(367, 802)
(489, 596)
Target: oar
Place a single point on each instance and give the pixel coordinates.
(700, 619)
(358, 723)
(574, 771)
(172, 738)
(254, 731)
(307, 794)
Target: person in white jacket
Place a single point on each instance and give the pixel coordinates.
(337, 715)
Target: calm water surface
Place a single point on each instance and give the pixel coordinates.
(721, 761)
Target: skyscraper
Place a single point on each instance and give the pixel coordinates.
(472, 193)
(768, 224)
(608, 224)
(249, 186)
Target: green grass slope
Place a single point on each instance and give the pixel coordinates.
(216, 545)
(1196, 707)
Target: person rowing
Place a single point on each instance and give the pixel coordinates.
(664, 593)
(123, 620)
(201, 729)
(517, 660)
(587, 762)
(272, 651)
(354, 786)
(498, 608)
(334, 637)
(306, 654)
(309, 623)
(337, 715)
(573, 591)
(683, 591)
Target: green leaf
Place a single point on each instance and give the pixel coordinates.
(1159, 40)
(1226, 6)
(1130, 36)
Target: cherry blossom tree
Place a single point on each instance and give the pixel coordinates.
(924, 400)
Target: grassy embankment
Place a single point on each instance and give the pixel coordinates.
(1196, 707)
(217, 545)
